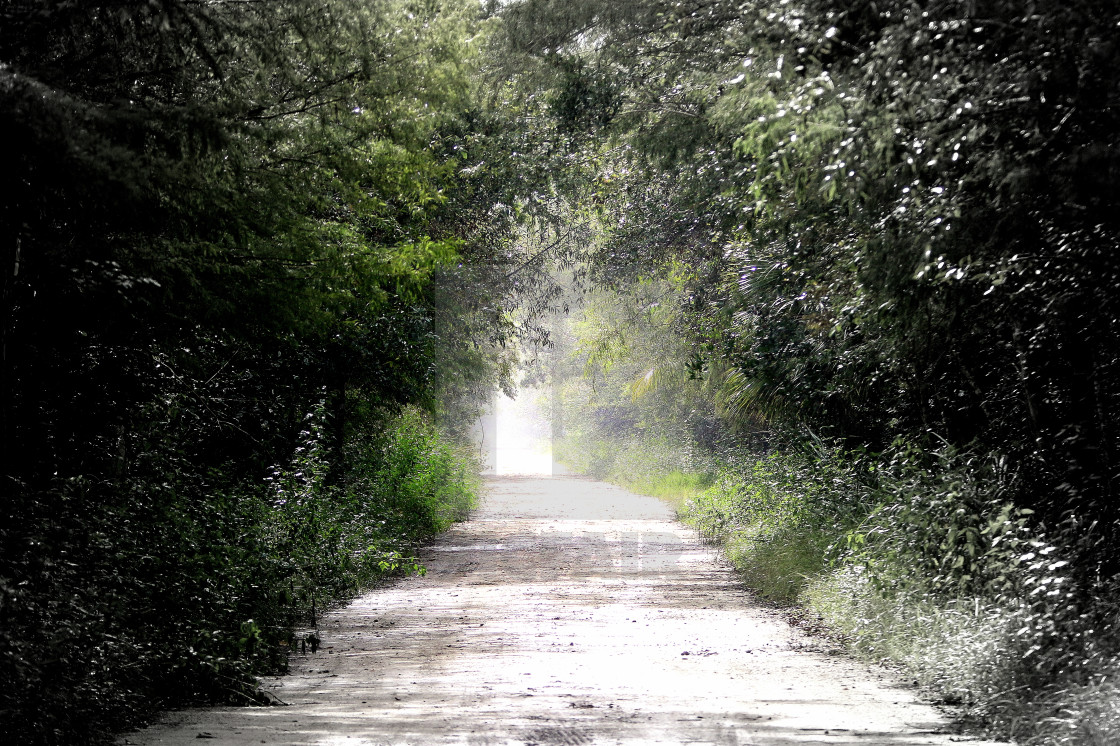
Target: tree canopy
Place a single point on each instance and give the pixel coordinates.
(900, 216)
(241, 243)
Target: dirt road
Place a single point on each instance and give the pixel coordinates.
(566, 612)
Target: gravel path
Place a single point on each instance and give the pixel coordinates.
(566, 612)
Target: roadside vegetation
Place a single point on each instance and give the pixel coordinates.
(913, 562)
(255, 286)
(917, 557)
(842, 273)
(855, 281)
(180, 595)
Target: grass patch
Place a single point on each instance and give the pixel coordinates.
(776, 518)
(958, 649)
(777, 565)
(1085, 715)
(674, 486)
(645, 465)
(979, 654)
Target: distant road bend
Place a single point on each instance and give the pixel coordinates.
(566, 611)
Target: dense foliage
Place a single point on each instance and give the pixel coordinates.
(898, 215)
(866, 254)
(849, 265)
(241, 243)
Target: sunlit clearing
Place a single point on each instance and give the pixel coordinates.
(524, 438)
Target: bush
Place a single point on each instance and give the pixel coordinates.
(975, 599)
(777, 515)
(174, 593)
(918, 559)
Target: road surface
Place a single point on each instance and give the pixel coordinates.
(567, 611)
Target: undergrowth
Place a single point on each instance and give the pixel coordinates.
(648, 465)
(919, 560)
(158, 597)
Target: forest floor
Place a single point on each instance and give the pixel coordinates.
(568, 611)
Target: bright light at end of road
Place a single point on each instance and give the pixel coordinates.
(524, 437)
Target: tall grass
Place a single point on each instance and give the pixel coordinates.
(276, 558)
(403, 484)
(656, 466)
(922, 563)
(776, 517)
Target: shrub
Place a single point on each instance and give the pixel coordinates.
(972, 597)
(920, 559)
(178, 592)
(777, 515)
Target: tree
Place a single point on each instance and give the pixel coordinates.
(908, 208)
(228, 221)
